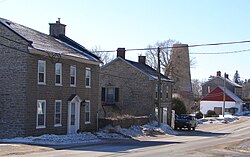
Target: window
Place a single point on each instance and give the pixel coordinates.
(110, 95)
(167, 95)
(161, 91)
(41, 72)
(58, 73)
(72, 76)
(156, 91)
(208, 89)
(41, 114)
(88, 78)
(58, 113)
(87, 111)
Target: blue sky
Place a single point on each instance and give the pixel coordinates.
(136, 23)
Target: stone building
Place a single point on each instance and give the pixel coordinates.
(180, 73)
(49, 84)
(130, 88)
(218, 80)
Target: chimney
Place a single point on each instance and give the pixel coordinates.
(226, 76)
(57, 29)
(218, 73)
(121, 52)
(142, 59)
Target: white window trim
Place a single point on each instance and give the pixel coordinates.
(44, 62)
(41, 126)
(58, 84)
(88, 122)
(58, 125)
(72, 85)
(88, 69)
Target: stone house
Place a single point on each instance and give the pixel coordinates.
(218, 80)
(49, 84)
(130, 88)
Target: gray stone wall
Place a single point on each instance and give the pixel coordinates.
(13, 69)
(136, 91)
(19, 90)
(50, 93)
(181, 68)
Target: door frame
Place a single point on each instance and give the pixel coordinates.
(77, 100)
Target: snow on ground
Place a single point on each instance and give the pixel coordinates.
(137, 131)
(218, 120)
(46, 139)
(86, 137)
(244, 113)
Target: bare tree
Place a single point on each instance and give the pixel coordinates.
(196, 88)
(165, 56)
(105, 57)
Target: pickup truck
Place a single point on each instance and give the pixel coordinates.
(185, 121)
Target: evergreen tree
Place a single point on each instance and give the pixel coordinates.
(179, 106)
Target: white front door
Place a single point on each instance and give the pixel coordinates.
(73, 116)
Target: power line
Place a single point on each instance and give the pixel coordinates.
(154, 48)
(37, 57)
(213, 53)
(181, 46)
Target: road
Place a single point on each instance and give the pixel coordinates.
(208, 140)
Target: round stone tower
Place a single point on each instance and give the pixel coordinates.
(180, 73)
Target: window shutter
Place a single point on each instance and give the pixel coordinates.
(116, 94)
(103, 94)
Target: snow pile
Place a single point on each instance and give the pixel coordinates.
(164, 128)
(218, 120)
(108, 132)
(85, 137)
(137, 131)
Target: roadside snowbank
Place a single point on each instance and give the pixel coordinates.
(137, 131)
(47, 139)
(218, 120)
(87, 137)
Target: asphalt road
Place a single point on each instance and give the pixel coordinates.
(208, 140)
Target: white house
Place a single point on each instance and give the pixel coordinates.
(214, 101)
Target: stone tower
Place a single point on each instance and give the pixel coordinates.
(180, 73)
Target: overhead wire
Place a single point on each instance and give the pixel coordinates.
(139, 49)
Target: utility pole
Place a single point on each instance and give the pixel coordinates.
(159, 88)
(224, 95)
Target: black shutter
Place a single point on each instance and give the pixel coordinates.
(103, 94)
(116, 94)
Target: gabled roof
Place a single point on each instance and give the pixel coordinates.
(217, 95)
(227, 80)
(144, 68)
(41, 41)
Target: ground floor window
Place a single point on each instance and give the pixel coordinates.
(41, 114)
(58, 113)
(110, 95)
(87, 111)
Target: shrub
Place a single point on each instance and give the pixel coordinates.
(211, 113)
(199, 115)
